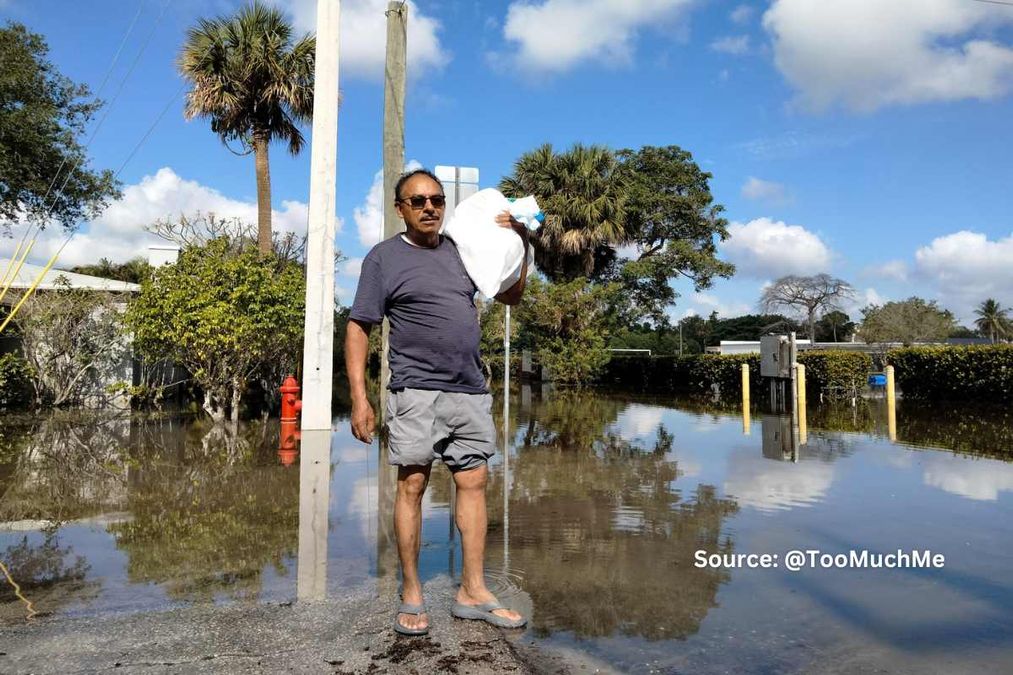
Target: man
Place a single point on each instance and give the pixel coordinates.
(438, 406)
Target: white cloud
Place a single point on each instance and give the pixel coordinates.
(638, 421)
(767, 485)
(981, 480)
(702, 304)
(866, 54)
(556, 35)
(118, 234)
(967, 267)
(895, 270)
(736, 45)
(364, 35)
(742, 14)
(764, 248)
(352, 267)
(368, 216)
(764, 190)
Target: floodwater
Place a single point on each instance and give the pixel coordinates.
(597, 513)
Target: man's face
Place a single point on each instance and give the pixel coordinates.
(428, 218)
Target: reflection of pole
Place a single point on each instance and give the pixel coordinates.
(745, 399)
(803, 435)
(891, 405)
(319, 323)
(506, 443)
(314, 497)
(386, 544)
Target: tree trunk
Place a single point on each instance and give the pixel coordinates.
(263, 192)
(812, 327)
(216, 412)
(237, 396)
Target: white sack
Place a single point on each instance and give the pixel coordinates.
(492, 254)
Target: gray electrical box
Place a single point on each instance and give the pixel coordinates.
(775, 356)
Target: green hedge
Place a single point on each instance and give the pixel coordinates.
(697, 373)
(983, 373)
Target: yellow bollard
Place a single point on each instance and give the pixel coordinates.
(803, 433)
(745, 400)
(891, 405)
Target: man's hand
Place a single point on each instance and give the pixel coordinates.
(512, 295)
(506, 220)
(363, 421)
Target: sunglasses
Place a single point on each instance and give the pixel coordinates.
(418, 202)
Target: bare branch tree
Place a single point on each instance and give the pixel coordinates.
(807, 296)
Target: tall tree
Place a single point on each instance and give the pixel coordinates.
(44, 172)
(807, 295)
(254, 81)
(672, 224)
(907, 321)
(993, 320)
(582, 191)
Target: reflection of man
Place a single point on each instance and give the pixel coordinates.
(438, 406)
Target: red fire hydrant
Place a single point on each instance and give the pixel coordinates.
(290, 407)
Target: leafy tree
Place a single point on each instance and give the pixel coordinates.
(907, 321)
(834, 326)
(254, 81)
(749, 327)
(224, 316)
(569, 323)
(807, 295)
(993, 320)
(44, 171)
(134, 270)
(672, 222)
(582, 191)
(655, 201)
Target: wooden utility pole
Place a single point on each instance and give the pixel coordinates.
(318, 340)
(393, 145)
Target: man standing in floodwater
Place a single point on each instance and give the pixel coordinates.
(438, 406)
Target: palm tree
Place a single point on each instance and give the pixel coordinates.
(992, 320)
(255, 84)
(582, 193)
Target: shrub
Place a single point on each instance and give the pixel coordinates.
(699, 372)
(830, 370)
(15, 382)
(955, 373)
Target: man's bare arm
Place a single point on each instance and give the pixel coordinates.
(512, 295)
(356, 352)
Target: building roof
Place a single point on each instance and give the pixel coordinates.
(28, 273)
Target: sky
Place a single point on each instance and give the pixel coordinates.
(869, 139)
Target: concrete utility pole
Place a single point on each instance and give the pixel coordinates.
(393, 146)
(318, 341)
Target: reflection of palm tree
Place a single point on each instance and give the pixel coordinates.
(993, 320)
(605, 544)
(583, 197)
(255, 84)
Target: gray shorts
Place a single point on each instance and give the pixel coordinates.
(423, 426)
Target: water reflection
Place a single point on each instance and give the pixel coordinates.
(597, 506)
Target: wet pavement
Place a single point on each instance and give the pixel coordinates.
(152, 541)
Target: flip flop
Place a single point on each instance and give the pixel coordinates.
(406, 608)
(484, 612)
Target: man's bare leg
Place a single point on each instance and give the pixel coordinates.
(411, 485)
(472, 521)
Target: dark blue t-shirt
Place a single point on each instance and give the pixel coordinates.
(430, 300)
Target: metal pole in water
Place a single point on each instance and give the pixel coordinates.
(891, 405)
(745, 399)
(803, 435)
